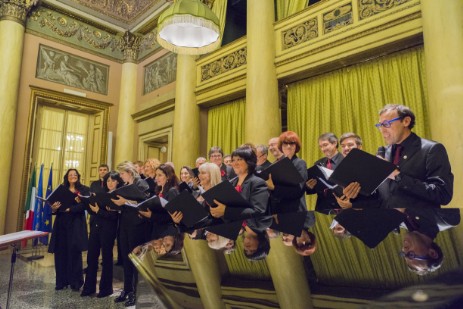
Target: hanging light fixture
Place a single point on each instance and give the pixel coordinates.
(188, 27)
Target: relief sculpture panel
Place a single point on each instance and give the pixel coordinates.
(159, 73)
(67, 69)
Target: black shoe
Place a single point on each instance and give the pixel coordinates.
(102, 294)
(61, 287)
(131, 300)
(122, 297)
(86, 293)
(75, 288)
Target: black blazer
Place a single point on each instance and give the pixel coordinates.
(286, 199)
(75, 224)
(254, 190)
(425, 179)
(325, 199)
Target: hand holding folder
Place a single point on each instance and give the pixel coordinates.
(225, 194)
(193, 212)
(366, 169)
(63, 195)
(283, 173)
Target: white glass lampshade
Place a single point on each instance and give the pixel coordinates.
(189, 27)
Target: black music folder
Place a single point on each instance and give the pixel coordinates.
(316, 172)
(226, 194)
(63, 195)
(129, 192)
(364, 168)
(193, 211)
(283, 173)
(154, 202)
(103, 199)
(183, 186)
(290, 223)
(229, 230)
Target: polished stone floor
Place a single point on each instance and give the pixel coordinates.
(34, 287)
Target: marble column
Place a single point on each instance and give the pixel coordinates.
(443, 43)
(186, 115)
(262, 123)
(263, 119)
(202, 259)
(125, 133)
(12, 27)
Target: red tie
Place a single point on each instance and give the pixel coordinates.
(329, 165)
(397, 153)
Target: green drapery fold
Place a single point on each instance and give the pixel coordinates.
(226, 125)
(285, 8)
(219, 8)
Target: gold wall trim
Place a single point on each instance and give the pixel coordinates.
(228, 62)
(154, 111)
(41, 96)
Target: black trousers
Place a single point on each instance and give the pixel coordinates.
(101, 239)
(130, 237)
(68, 261)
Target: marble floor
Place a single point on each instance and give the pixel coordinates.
(34, 287)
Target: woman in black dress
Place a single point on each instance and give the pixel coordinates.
(69, 235)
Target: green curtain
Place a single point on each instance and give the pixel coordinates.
(226, 125)
(219, 8)
(349, 99)
(285, 8)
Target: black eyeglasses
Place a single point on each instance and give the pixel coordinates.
(289, 143)
(387, 123)
(412, 256)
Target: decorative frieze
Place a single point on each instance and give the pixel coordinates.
(301, 33)
(368, 8)
(226, 63)
(337, 18)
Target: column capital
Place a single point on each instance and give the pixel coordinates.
(16, 10)
(129, 44)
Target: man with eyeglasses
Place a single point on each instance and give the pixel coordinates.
(423, 177)
(216, 156)
(328, 143)
(262, 162)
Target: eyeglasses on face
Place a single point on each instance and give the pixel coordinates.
(289, 143)
(387, 123)
(412, 256)
(218, 155)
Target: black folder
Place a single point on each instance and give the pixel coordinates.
(315, 172)
(229, 230)
(364, 168)
(290, 223)
(183, 186)
(63, 195)
(129, 192)
(193, 211)
(226, 194)
(283, 173)
(103, 199)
